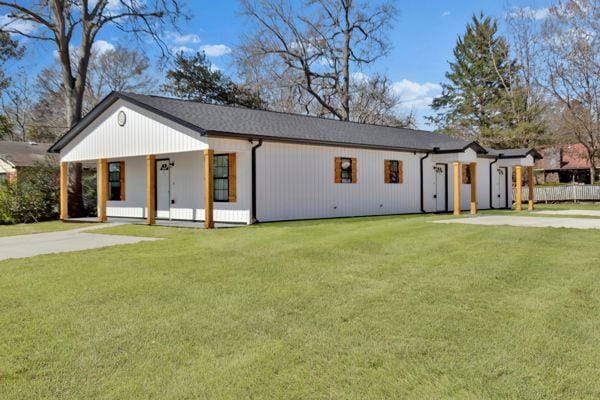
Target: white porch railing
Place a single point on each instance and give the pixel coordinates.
(573, 193)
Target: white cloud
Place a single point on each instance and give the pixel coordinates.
(415, 95)
(446, 14)
(215, 50)
(113, 5)
(101, 46)
(178, 38)
(360, 77)
(9, 23)
(529, 13)
(184, 49)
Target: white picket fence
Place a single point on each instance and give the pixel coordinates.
(573, 193)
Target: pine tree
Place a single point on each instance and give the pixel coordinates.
(194, 79)
(483, 99)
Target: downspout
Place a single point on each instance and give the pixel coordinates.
(256, 146)
(491, 184)
(422, 185)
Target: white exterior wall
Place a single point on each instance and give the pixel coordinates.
(298, 182)
(143, 133)
(187, 189)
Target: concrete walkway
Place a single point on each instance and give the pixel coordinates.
(22, 246)
(531, 222)
(589, 213)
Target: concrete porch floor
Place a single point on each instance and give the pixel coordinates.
(159, 222)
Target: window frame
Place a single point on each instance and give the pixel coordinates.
(120, 181)
(348, 179)
(466, 174)
(221, 178)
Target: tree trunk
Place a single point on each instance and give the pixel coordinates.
(76, 169)
(592, 174)
(345, 95)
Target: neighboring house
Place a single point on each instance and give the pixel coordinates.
(174, 159)
(15, 156)
(564, 164)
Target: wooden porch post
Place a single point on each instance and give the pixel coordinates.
(208, 189)
(531, 186)
(519, 189)
(102, 176)
(473, 169)
(150, 188)
(456, 188)
(64, 190)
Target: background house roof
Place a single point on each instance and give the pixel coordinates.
(23, 154)
(567, 156)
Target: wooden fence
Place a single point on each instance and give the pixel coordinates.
(543, 194)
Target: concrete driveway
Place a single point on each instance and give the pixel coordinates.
(60, 242)
(532, 222)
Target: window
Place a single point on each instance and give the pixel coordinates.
(466, 174)
(221, 177)
(393, 171)
(116, 181)
(345, 170)
(3, 178)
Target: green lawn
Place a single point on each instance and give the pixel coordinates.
(40, 227)
(390, 307)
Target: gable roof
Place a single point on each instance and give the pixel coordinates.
(23, 154)
(514, 153)
(230, 121)
(219, 120)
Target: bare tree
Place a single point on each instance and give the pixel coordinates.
(374, 102)
(67, 22)
(118, 69)
(17, 103)
(310, 53)
(571, 49)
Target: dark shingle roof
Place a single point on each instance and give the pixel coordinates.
(227, 120)
(24, 154)
(269, 124)
(513, 153)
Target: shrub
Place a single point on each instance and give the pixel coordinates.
(32, 197)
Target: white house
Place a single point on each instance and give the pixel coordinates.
(174, 159)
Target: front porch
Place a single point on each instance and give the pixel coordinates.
(170, 189)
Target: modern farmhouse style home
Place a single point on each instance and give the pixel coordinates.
(162, 158)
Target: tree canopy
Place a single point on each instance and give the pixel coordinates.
(483, 98)
(194, 78)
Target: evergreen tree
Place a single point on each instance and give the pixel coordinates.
(194, 79)
(483, 99)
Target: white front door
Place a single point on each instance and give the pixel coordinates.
(163, 189)
(440, 187)
(501, 186)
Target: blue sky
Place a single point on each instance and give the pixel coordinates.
(423, 37)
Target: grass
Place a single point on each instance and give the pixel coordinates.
(389, 307)
(40, 227)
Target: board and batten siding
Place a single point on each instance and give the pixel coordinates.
(298, 182)
(186, 189)
(143, 133)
